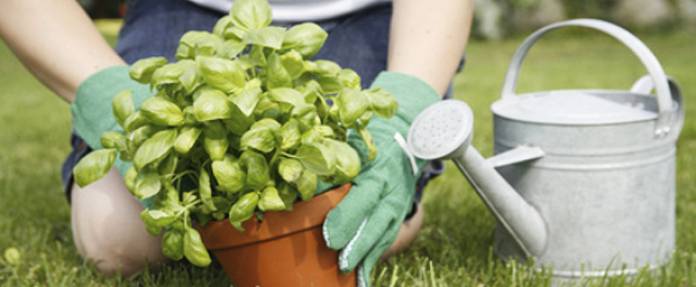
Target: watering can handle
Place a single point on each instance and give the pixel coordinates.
(664, 99)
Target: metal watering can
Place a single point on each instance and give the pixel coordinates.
(582, 180)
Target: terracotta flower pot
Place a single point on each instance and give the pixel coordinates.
(285, 249)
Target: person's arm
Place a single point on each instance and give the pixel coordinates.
(427, 39)
(56, 41)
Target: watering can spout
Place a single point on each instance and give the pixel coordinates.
(524, 222)
(443, 131)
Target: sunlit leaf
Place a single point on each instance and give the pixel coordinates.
(270, 200)
(243, 209)
(306, 38)
(143, 69)
(229, 174)
(94, 166)
(251, 14)
(154, 148)
(211, 105)
(162, 112)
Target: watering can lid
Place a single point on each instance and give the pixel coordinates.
(577, 107)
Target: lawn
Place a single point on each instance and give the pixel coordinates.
(454, 247)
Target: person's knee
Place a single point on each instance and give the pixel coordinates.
(107, 229)
(114, 250)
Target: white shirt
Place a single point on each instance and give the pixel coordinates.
(300, 10)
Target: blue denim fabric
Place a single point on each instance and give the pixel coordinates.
(153, 28)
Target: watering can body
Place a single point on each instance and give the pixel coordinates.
(583, 181)
(605, 185)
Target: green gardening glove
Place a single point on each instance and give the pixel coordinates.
(91, 110)
(367, 220)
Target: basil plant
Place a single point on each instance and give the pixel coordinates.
(242, 123)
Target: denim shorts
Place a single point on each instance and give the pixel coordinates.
(153, 28)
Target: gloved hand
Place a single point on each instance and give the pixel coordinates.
(367, 221)
(91, 110)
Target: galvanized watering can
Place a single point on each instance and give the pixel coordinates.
(583, 181)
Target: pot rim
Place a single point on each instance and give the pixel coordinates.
(305, 215)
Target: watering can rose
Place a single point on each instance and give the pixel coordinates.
(242, 123)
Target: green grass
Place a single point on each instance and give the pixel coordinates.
(454, 247)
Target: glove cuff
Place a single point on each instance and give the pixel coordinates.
(91, 110)
(412, 93)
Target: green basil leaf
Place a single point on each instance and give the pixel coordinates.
(189, 79)
(270, 200)
(246, 100)
(309, 120)
(251, 14)
(305, 38)
(194, 250)
(316, 134)
(167, 75)
(147, 184)
(157, 218)
(186, 139)
(347, 161)
(171, 201)
(168, 165)
(142, 70)
(162, 112)
(222, 25)
(317, 158)
(292, 97)
(266, 124)
(134, 121)
(243, 209)
(351, 106)
(239, 123)
(289, 135)
(349, 79)
(256, 57)
(215, 140)
(326, 68)
(229, 174)
(204, 189)
(364, 119)
(290, 169)
(122, 106)
(230, 49)
(114, 139)
(288, 194)
(307, 185)
(329, 84)
(150, 226)
(293, 64)
(382, 102)
(173, 244)
(211, 105)
(154, 148)
(129, 179)
(94, 166)
(138, 136)
(198, 43)
(189, 198)
(226, 75)
(258, 172)
(277, 75)
(270, 37)
(261, 136)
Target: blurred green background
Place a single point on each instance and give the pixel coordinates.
(454, 247)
